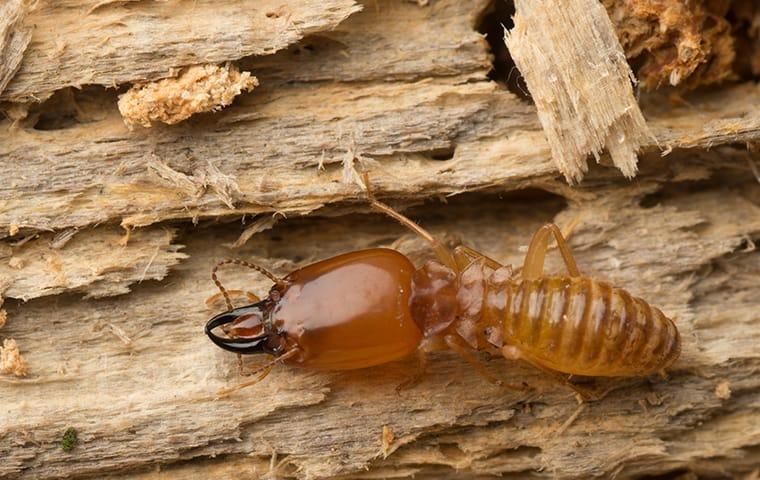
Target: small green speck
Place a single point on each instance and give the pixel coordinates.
(70, 440)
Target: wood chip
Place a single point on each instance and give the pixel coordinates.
(723, 390)
(579, 79)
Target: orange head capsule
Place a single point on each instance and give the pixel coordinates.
(350, 311)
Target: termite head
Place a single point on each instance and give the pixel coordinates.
(248, 330)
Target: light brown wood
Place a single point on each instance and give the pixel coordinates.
(399, 90)
(110, 42)
(14, 38)
(97, 262)
(160, 375)
(578, 77)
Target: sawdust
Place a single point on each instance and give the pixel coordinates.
(200, 88)
(11, 361)
(723, 390)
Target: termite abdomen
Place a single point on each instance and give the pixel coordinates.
(582, 326)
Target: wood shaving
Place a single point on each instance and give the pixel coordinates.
(387, 440)
(580, 81)
(16, 263)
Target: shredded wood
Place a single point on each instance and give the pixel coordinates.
(675, 43)
(11, 361)
(110, 43)
(580, 81)
(404, 90)
(14, 38)
(387, 440)
(200, 88)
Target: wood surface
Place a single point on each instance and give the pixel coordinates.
(109, 236)
(578, 77)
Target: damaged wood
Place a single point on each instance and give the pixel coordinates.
(98, 262)
(108, 43)
(142, 177)
(686, 44)
(401, 90)
(580, 82)
(14, 38)
(454, 420)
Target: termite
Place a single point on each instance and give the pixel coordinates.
(370, 307)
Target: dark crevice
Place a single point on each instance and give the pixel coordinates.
(70, 107)
(498, 16)
(442, 154)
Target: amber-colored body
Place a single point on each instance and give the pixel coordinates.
(574, 325)
(350, 311)
(372, 306)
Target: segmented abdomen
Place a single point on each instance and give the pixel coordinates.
(585, 327)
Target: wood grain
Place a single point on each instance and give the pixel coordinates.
(580, 82)
(401, 90)
(136, 401)
(79, 42)
(97, 262)
(14, 38)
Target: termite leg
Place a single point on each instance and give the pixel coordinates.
(226, 392)
(252, 369)
(262, 372)
(467, 254)
(513, 353)
(415, 379)
(453, 344)
(533, 268)
(253, 298)
(441, 251)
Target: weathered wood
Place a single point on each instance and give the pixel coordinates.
(100, 262)
(579, 80)
(388, 40)
(391, 128)
(400, 90)
(109, 42)
(14, 38)
(152, 400)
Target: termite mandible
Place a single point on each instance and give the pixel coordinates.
(370, 307)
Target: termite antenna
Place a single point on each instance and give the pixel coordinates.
(368, 187)
(443, 253)
(278, 281)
